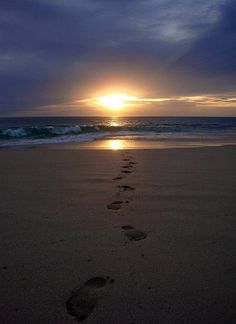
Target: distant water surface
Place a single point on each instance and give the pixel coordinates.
(154, 131)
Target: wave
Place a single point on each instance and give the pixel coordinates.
(80, 133)
(52, 131)
(47, 131)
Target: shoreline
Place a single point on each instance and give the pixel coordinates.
(123, 143)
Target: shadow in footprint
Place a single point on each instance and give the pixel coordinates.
(126, 188)
(115, 205)
(126, 171)
(127, 227)
(117, 178)
(83, 300)
(136, 235)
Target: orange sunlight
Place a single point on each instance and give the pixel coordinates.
(115, 101)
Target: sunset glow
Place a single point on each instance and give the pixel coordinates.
(115, 101)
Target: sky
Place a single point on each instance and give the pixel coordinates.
(177, 56)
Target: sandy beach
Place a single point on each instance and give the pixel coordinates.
(126, 236)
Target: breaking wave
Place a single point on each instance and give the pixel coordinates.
(87, 132)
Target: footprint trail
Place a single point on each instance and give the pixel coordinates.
(84, 300)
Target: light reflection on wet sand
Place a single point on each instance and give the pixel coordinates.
(130, 144)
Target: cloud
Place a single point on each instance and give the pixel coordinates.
(214, 54)
(209, 100)
(53, 50)
(182, 105)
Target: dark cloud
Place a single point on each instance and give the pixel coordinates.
(52, 50)
(214, 54)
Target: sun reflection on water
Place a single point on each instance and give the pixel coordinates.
(115, 122)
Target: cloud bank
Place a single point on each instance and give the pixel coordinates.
(54, 52)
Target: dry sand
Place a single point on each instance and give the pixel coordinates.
(156, 246)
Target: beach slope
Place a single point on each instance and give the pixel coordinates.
(136, 236)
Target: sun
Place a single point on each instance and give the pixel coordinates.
(115, 101)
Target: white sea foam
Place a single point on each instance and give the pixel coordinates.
(67, 138)
(18, 132)
(128, 135)
(66, 130)
(54, 140)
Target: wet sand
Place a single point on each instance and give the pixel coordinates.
(139, 236)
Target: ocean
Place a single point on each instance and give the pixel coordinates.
(53, 130)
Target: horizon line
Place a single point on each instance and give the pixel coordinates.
(138, 116)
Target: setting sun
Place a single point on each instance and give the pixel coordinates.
(115, 101)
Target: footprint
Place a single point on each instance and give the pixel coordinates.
(115, 205)
(126, 188)
(127, 227)
(126, 171)
(83, 300)
(118, 178)
(126, 167)
(136, 235)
